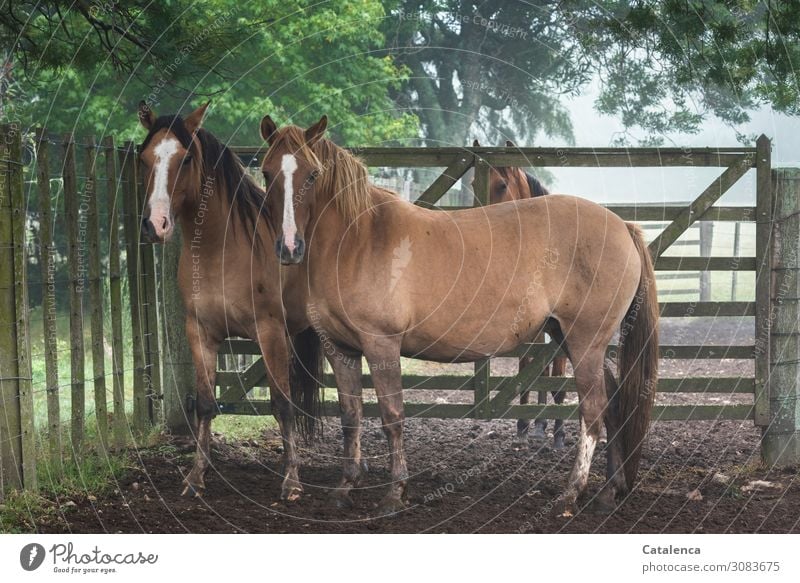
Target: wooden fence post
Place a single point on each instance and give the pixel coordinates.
(115, 295)
(765, 208)
(130, 200)
(706, 244)
(17, 437)
(96, 293)
(77, 271)
(737, 250)
(47, 262)
(781, 440)
(482, 367)
(178, 369)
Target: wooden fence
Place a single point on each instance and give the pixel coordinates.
(492, 396)
(69, 226)
(75, 206)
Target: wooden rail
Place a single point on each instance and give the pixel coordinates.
(492, 394)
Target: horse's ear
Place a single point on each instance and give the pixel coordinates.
(194, 120)
(510, 144)
(476, 144)
(268, 129)
(315, 132)
(146, 116)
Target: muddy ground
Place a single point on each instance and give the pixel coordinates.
(466, 476)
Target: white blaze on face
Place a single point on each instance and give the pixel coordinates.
(159, 198)
(288, 166)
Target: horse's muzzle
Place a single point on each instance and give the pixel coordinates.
(290, 256)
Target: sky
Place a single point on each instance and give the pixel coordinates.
(668, 184)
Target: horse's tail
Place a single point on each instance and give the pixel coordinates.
(305, 376)
(637, 364)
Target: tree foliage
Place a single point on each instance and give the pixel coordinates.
(502, 68)
(83, 66)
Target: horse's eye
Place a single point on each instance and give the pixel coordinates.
(313, 176)
(187, 159)
(503, 186)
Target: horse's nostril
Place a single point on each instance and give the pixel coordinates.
(165, 224)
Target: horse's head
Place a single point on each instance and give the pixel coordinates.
(290, 170)
(506, 183)
(171, 162)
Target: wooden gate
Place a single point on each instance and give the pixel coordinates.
(493, 396)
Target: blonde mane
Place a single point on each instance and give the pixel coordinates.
(341, 174)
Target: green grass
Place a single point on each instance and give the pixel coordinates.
(243, 427)
(90, 475)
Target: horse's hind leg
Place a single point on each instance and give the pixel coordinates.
(523, 425)
(615, 479)
(540, 424)
(589, 379)
(204, 355)
(559, 369)
(347, 369)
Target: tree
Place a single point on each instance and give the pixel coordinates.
(84, 66)
(501, 68)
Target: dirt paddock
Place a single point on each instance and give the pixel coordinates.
(466, 476)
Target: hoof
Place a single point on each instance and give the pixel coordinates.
(390, 506)
(193, 490)
(539, 433)
(341, 499)
(558, 442)
(566, 509)
(605, 502)
(291, 493)
(600, 506)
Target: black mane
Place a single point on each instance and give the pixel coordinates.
(220, 163)
(536, 187)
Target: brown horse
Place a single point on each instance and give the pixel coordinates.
(507, 183)
(229, 286)
(389, 279)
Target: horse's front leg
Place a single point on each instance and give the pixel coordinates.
(204, 348)
(274, 344)
(383, 357)
(347, 369)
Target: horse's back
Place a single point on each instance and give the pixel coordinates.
(483, 280)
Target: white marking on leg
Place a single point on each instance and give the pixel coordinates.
(583, 459)
(288, 166)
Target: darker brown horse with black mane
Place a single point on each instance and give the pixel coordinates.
(507, 183)
(389, 279)
(230, 284)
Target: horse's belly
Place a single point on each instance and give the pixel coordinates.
(476, 333)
